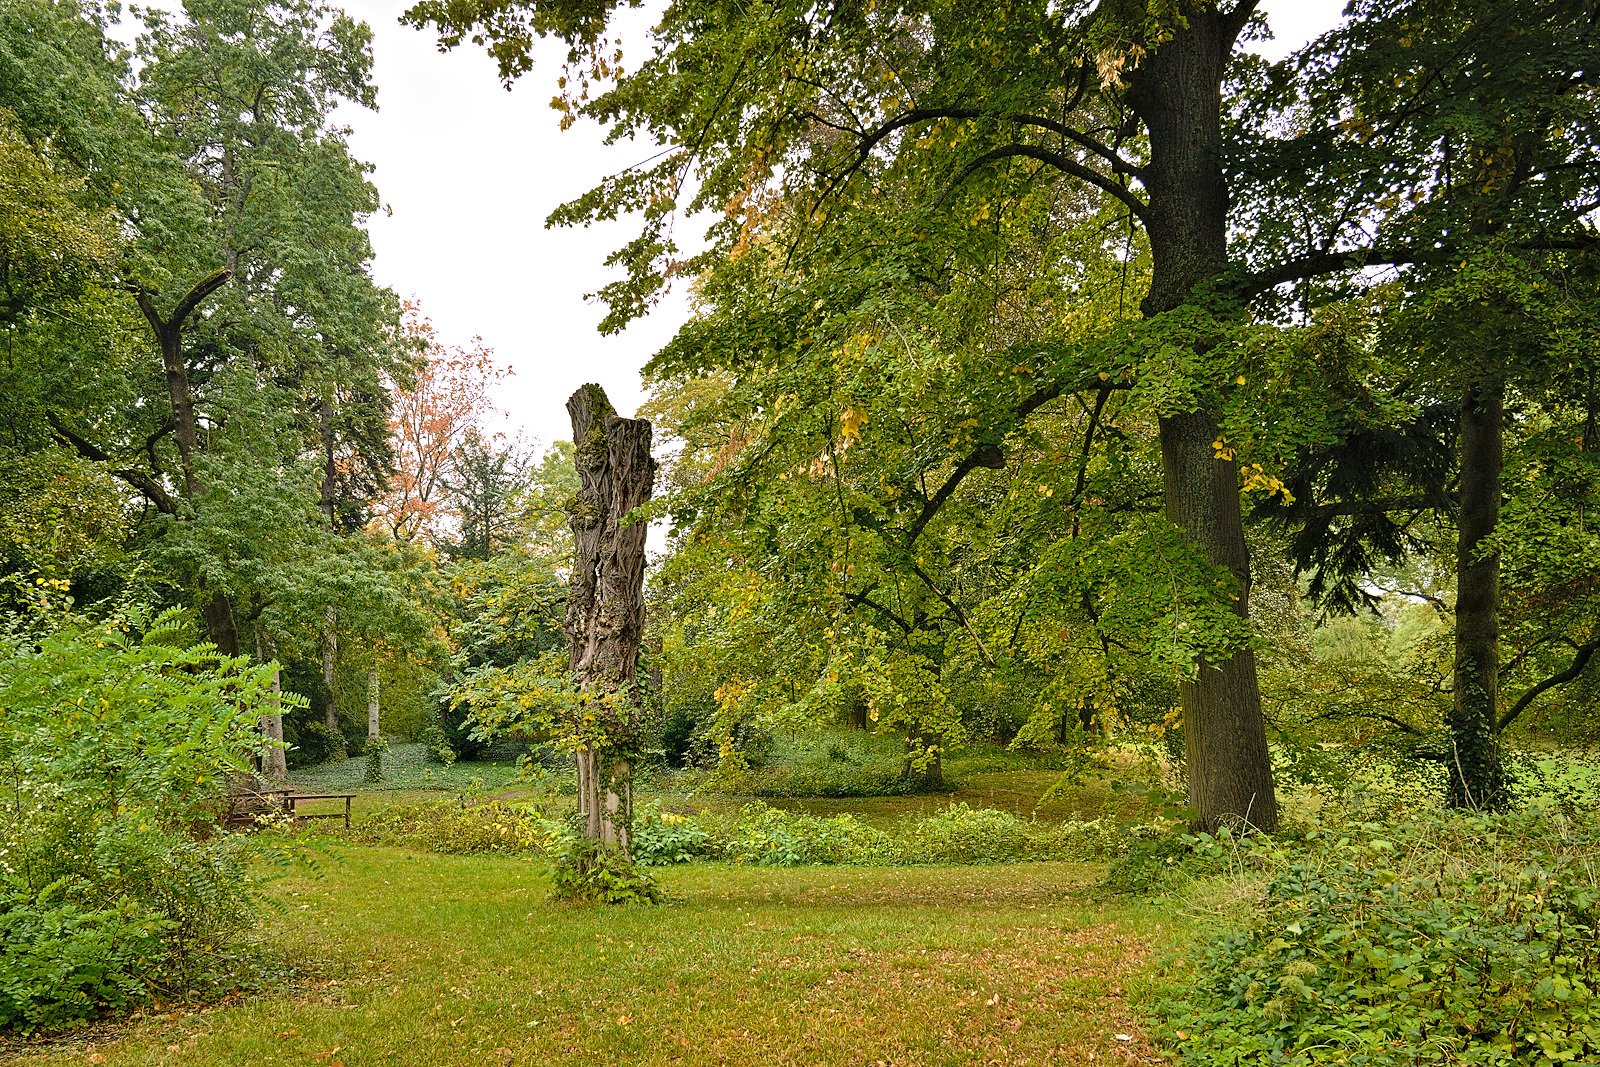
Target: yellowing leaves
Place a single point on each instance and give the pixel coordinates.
(850, 424)
(1257, 480)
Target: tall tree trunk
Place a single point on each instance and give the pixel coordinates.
(605, 602)
(1178, 93)
(330, 466)
(372, 704)
(221, 627)
(274, 759)
(1477, 779)
(216, 608)
(928, 778)
(330, 668)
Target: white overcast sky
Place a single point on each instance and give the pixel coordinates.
(470, 171)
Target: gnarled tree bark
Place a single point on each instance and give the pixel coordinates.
(605, 602)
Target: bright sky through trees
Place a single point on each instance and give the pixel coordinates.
(470, 172)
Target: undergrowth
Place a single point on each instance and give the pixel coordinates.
(1446, 938)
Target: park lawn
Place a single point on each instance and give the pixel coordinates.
(422, 959)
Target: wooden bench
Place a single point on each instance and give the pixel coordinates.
(291, 803)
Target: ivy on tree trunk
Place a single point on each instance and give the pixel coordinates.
(1178, 93)
(605, 606)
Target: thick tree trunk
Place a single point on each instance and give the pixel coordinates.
(1476, 777)
(928, 778)
(220, 624)
(372, 704)
(185, 427)
(216, 608)
(1178, 93)
(330, 466)
(605, 601)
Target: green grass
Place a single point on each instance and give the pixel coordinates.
(418, 959)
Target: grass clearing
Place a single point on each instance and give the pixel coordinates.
(444, 960)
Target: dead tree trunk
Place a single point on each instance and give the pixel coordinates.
(605, 604)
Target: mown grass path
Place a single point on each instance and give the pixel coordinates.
(437, 960)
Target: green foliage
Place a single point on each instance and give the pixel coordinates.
(372, 772)
(457, 828)
(1451, 939)
(412, 765)
(661, 838)
(770, 837)
(959, 834)
(65, 962)
(116, 742)
(588, 871)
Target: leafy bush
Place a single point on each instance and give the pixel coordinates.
(588, 871)
(456, 829)
(312, 743)
(63, 963)
(1457, 939)
(662, 837)
(116, 740)
(773, 838)
(960, 834)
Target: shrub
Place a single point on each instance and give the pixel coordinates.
(312, 743)
(773, 838)
(1457, 939)
(960, 834)
(116, 739)
(588, 871)
(455, 829)
(63, 963)
(662, 837)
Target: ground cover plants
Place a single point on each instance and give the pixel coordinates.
(1438, 939)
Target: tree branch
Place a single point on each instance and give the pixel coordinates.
(1061, 163)
(138, 479)
(1580, 660)
(202, 289)
(1325, 261)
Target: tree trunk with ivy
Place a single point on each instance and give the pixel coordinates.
(1177, 90)
(605, 606)
(1477, 779)
(274, 757)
